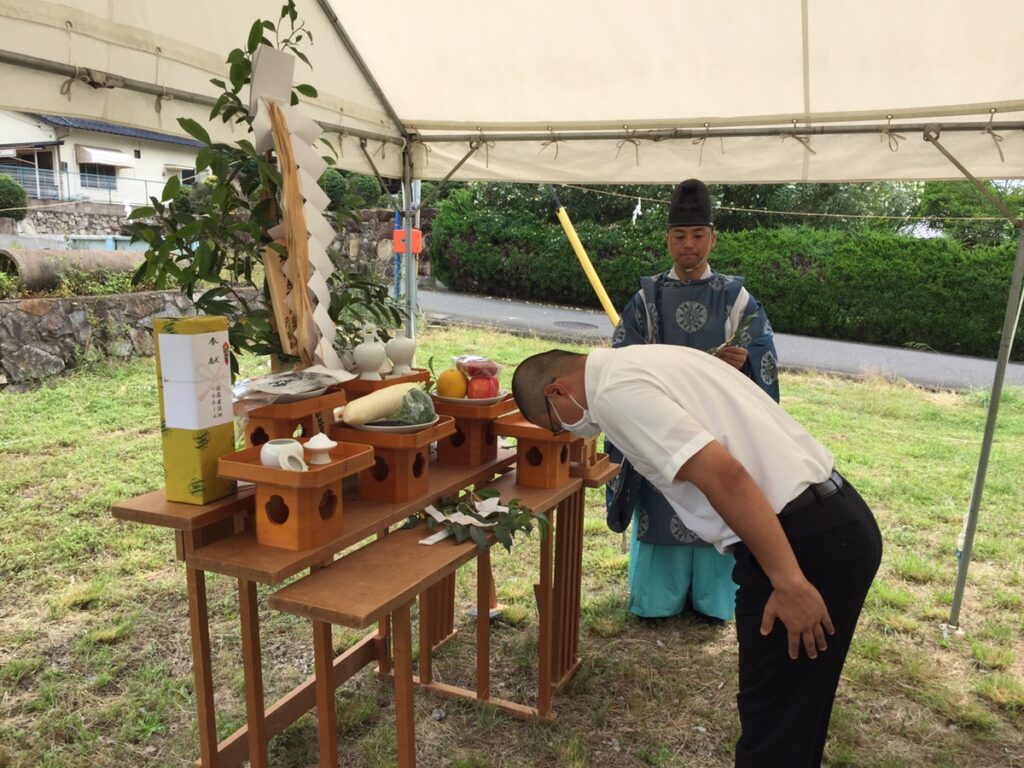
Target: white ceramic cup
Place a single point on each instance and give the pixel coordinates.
(284, 453)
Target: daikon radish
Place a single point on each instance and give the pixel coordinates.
(376, 405)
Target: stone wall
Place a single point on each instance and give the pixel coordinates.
(80, 218)
(44, 337)
(368, 242)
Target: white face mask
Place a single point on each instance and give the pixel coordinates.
(585, 427)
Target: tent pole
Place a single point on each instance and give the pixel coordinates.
(1010, 320)
(411, 272)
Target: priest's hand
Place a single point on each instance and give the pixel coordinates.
(802, 610)
(734, 356)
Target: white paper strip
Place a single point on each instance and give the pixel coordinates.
(311, 191)
(272, 76)
(463, 519)
(308, 160)
(301, 126)
(435, 513)
(490, 506)
(317, 225)
(263, 137)
(318, 257)
(441, 535)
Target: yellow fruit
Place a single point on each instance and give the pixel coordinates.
(451, 383)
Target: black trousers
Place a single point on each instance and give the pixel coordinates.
(785, 705)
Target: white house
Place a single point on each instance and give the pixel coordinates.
(71, 158)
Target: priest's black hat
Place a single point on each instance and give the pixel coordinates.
(690, 206)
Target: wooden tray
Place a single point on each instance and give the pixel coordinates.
(358, 387)
(346, 459)
(514, 425)
(444, 427)
(598, 473)
(300, 408)
(473, 412)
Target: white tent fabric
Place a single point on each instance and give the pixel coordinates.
(755, 92)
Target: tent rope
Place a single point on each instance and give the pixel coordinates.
(427, 149)
(630, 139)
(805, 141)
(893, 137)
(488, 146)
(553, 140)
(81, 75)
(163, 96)
(738, 209)
(996, 138)
(703, 139)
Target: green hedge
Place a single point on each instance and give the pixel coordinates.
(872, 287)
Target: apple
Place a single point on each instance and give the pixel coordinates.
(483, 386)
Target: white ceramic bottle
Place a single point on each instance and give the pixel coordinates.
(401, 350)
(369, 355)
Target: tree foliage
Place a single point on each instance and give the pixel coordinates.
(944, 202)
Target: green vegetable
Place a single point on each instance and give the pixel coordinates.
(416, 407)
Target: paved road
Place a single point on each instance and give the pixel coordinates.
(926, 369)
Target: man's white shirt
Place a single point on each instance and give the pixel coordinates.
(660, 404)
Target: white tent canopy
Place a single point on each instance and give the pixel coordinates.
(731, 91)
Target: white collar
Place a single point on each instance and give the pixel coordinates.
(675, 275)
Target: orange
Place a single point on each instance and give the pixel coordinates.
(451, 383)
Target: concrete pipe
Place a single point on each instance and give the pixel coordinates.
(38, 270)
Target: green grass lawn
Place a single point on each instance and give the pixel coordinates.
(95, 663)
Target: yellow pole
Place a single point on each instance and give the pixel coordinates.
(588, 268)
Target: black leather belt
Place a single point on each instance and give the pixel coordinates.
(814, 493)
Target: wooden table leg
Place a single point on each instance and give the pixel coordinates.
(405, 715)
(544, 630)
(326, 717)
(484, 588)
(568, 568)
(253, 668)
(428, 608)
(200, 631)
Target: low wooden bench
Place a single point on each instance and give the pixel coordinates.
(381, 579)
(384, 577)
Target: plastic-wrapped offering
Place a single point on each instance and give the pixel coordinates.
(474, 366)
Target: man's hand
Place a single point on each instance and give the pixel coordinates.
(803, 612)
(734, 356)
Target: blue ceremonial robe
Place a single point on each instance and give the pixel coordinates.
(668, 562)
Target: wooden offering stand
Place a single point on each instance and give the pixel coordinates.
(401, 470)
(542, 457)
(281, 420)
(474, 441)
(297, 510)
(358, 387)
(585, 462)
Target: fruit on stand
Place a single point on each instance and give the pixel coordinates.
(451, 383)
(483, 386)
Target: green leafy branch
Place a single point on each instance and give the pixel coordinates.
(502, 524)
(744, 324)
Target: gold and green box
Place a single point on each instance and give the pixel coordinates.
(193, 369)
